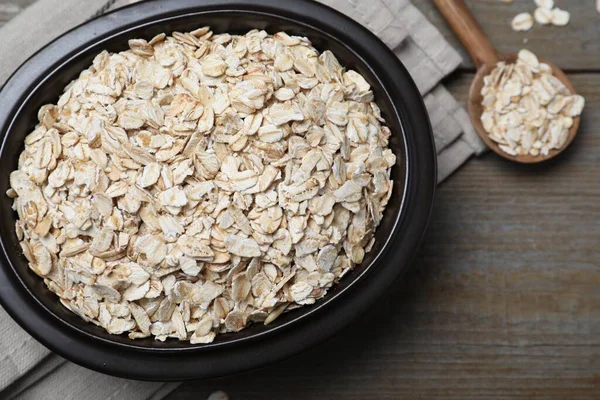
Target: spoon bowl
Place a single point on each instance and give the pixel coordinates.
(475, 108)
(481, 49)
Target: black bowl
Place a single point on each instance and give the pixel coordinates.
(40, 81)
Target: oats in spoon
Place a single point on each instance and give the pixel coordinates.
(527, 110)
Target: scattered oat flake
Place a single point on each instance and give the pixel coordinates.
(560, 17)
(522, 22)
(548, 4)
(543, 15)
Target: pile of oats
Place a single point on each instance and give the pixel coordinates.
(527, 110)
(199, 182)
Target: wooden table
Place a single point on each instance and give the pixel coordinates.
(504, 297)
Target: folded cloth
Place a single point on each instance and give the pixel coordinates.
(30, 371)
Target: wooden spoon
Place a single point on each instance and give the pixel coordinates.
(483, 53)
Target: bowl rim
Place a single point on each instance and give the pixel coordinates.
(16, 296)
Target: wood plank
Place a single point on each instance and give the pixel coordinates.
(575, 47)
(503, 301)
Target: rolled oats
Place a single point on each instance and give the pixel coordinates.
(545, 14)
(197, 182)
(526, 109)
(548, 4)
(560, 17)
(522, 22)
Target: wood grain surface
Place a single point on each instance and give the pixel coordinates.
(503, 300)
(575, 47)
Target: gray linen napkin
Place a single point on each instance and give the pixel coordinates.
(30, 371)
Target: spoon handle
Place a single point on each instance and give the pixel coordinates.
(466, 27)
